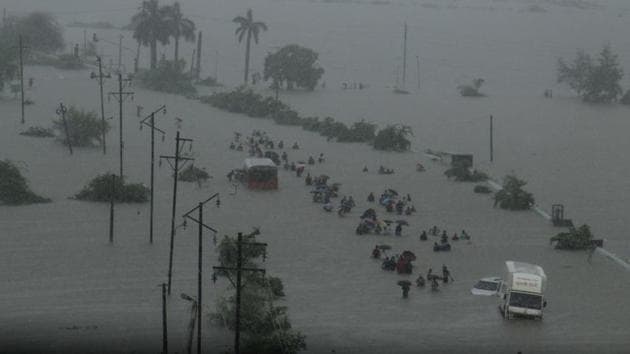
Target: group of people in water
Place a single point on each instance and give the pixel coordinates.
(256, 142)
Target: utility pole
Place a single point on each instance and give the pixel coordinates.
(120, 96)
(62, 112)
(216, 66)
(179, 142)
(192, 65)
(239, 269)
(153, 129)
(199, 221)
(198, 70)
(22, 78)
(491, 141)
(111, 208)
(120, 38)
(164, 328)
(418, 70)
(404, 75)
(100, 84)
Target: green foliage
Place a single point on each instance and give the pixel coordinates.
(360, 132)
(576, 239)
(178, 26)
(8, 57)
(265, 327)
(471, 90)
(84, 128)
(482, 189)
(14, 189)
(393, 137)
(101, 187)
(247, 102)
(167, 77)
(294, 66)
(250, 28)
(150, 25)
(193, 174)
(512, 196)
(209, 81)
(463, 173)
(595, 81)
(40, 31)
(39, 132)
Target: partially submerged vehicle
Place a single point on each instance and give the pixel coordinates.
(522, 290)
(260, 173)
(486, 286)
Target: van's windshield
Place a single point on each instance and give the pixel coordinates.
(529, 301)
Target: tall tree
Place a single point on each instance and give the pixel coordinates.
(247, 27)
(595, 80)
(179, 26)
(41, 31)
(150, 26)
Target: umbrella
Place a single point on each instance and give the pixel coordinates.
(409, 255)
(402, 222)
(384, 247)
(404, 283)
(391, 191)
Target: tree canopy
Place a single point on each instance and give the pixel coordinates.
(595, 81)
(84, 127)
(179, 26)
(250, 28)
(14, 189)
(150, 26)
(512, 196)
(8, 57)
(40, 31)
(393, 137)
(265, 326)
(294, 66)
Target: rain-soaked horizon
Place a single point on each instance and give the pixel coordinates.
(65, 288)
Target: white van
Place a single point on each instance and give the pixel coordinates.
(522, 290)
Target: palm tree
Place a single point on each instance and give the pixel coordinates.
(249, 27)
(150, 26)
(179, 27)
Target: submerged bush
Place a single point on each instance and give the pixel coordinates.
(209, 81)
(14, 189)
(84, 128)
(101, 187)
(246, 101)
(482, 189)
(193, 174)
(168, 77)
(471, 90)
(576, 239)
(393, 137)
(512, 196)
(39, 132)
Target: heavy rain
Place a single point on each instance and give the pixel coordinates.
(314, 176)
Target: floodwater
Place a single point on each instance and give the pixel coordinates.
(65, 287)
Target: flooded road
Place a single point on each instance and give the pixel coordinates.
(60, 272)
